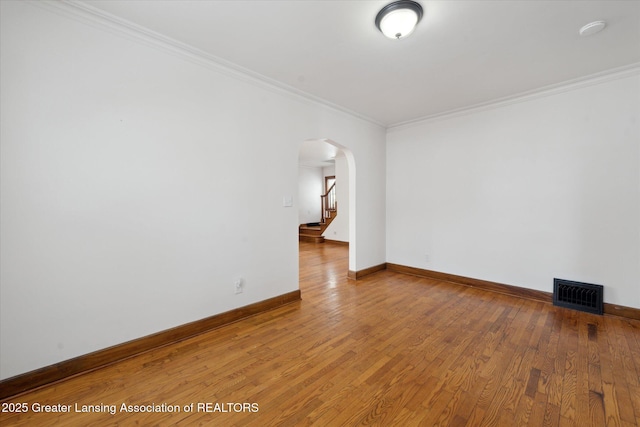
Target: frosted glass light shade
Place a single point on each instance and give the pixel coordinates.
(398, 19)
(399, 23)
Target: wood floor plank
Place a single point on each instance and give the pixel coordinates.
(389, 350)
(569, 373)
(551, 416)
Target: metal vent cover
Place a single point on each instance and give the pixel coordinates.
(578, 296)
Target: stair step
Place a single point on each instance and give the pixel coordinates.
(311, 232)
(310, 238)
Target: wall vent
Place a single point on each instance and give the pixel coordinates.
(578, 296)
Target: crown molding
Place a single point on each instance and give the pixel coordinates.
(554, 89)
(97, 18)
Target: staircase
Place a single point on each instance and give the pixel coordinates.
(312, 232)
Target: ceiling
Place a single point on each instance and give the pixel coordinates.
(318, 153)
(462, 54)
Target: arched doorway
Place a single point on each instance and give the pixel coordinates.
(326, 154)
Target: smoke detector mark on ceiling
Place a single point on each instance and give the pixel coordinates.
(592, 28)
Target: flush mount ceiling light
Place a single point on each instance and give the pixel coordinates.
(398, 19)
(592, 28)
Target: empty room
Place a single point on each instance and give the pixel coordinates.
(328, 213)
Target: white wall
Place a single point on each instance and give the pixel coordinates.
(329, 170)
(524, 193)
(310, 187)
(133, 187)
(339, 229)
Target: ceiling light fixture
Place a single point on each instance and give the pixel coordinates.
(592, 28)
(398, 19)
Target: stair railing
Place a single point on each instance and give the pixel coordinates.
(328, 202)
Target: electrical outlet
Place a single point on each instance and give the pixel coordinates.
(239, 284)
(426, 258)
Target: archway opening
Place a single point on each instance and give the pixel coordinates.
(319, 158)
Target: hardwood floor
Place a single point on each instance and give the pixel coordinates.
(389, 350)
